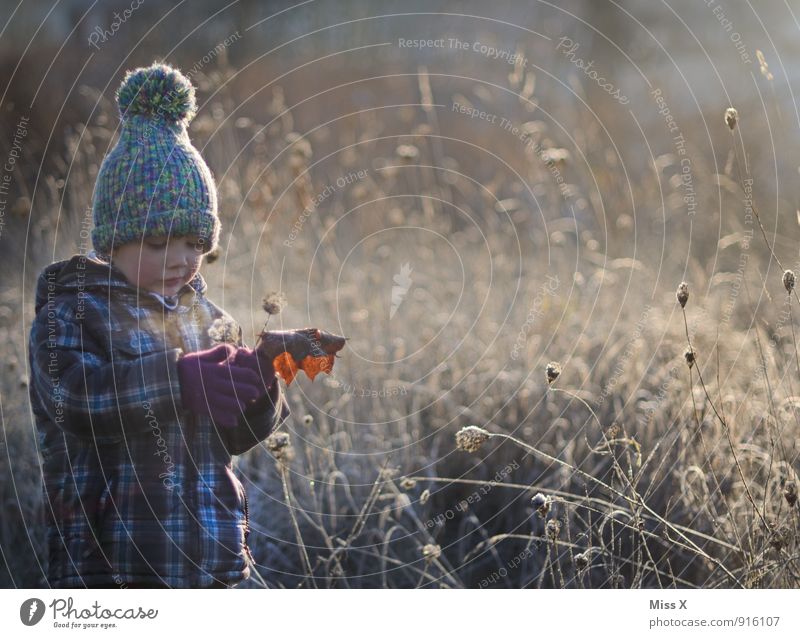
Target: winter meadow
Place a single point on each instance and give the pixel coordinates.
(562, 242)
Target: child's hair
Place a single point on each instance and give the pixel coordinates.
(154, 181)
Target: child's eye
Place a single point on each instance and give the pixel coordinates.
(196, 245)
(156, 245)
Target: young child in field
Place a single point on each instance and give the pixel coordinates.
(137, 410)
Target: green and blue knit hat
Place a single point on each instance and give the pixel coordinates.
(154, 182)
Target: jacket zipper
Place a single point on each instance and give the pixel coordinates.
(247, 529)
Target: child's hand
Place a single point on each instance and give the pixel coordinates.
(258, 363)
(212, 384)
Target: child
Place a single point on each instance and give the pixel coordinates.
(137, 411)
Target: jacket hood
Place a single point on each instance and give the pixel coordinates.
(89, 272)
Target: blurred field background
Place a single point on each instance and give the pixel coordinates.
(460, 257)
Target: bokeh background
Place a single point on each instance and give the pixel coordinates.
(532, 186)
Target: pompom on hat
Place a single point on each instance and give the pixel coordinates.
(154, 182)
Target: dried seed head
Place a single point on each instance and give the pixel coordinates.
(731, 117)
(541, 504)
(764, 67)
(280, 445)
(790, 493)
(300, 146)
(683, 294)
(789, 280)
(582, 560)
(407, 152)
(423, 498)
(224, 330)
(689, 356)
(559, 156)
(431, 552)
(471, 438)
(552, 370)
(308, 419)
(553, 528)
(408, 484)
(273, 303)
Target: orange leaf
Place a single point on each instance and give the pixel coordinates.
(313, 348)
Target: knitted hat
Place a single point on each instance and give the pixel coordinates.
(154, 182)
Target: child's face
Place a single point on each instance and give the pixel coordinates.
(159, 265)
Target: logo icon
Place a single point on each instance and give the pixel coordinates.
(402, 282)
(31, 611)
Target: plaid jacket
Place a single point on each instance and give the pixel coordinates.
(136, 488)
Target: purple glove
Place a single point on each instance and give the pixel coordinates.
(258, 363)
(211, 384)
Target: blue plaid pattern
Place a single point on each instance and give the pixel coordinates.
(136, 488)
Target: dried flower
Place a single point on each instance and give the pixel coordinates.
(308, 419)
(683, 294)
(789, 280)
(552, 370)
(273, 303)
(423, 498)
(300, 146)
(689, 356)
(790, 492)
(225, 330)
(431, 552)
(553, 528)
(280, 445)
(763, 66)
(407, 152)
(731, 117)
(559, 156)
(471, 438)
(582, 560)
(541, 504)
(408, 483)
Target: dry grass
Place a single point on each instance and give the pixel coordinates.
(621, 467)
